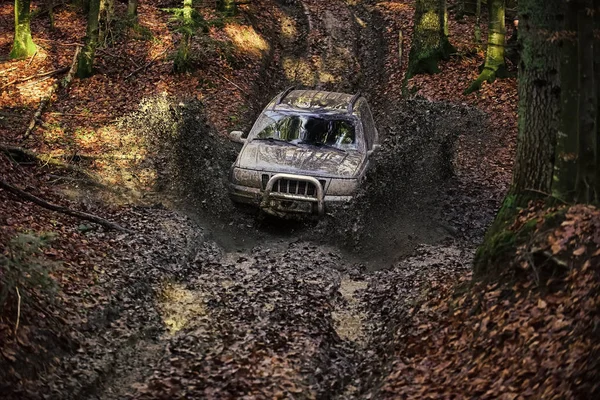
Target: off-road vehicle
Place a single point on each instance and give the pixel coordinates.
(307, 150)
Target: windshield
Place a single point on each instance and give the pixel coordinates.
(306, 129)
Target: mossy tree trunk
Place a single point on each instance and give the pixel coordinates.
(494, 65)
(478, 21)
(132, 11)
(227, 7)
(538, 121)
(23, 45)
(558, 149)
(182, 58)
(85, 64)
(430, 37)
(539, 95)
(466, 7)
(105, 20)
(51, 6)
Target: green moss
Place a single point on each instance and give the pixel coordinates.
(182, 62)
(500, 243)
(426, 61)
(494, 60)
(85, 63)
(488, 75)
(494, 250)
(141, 32)
(23, 45)
(430, 38)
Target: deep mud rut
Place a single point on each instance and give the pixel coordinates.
(222, 306)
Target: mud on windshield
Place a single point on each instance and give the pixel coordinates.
(313, 130)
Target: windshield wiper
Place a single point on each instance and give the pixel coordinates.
(275, 140)
(324, 145)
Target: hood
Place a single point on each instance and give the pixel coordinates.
(306, 160)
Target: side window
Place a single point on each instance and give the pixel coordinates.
(368, 124)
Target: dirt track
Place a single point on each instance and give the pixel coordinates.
(219, 306)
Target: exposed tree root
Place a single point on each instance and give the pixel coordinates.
(23, 195)
(46, 159)
(488, 75)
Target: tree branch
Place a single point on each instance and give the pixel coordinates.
(147, 64)
(56, 71)
(18, 310)
(48, 97)
(47, 159)
(54, 207)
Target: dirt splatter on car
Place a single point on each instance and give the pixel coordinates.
(307, 150)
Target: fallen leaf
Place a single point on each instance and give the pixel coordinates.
(541, 304)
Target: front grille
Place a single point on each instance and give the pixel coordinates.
(292, 186)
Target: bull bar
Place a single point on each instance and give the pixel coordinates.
(319, 198)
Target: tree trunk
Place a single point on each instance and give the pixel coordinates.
(466, 7)
(539, 111)
(576, 166)
(132, 12)
(182, 58)
(430, 37)
(494, 65)
(478, 21)
(586, 165)
(107, 11)
(470, 6)
(597, 86)
(539, 96)
(85, 65)
(23, 45)
(85, 6)
(51, 13)
(559, 116)
(565, 165)
(227, 7)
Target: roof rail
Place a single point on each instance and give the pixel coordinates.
(283, 94)
(352, 102)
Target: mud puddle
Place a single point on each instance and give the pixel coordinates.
(349, 319)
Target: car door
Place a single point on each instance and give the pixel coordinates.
(370, 131)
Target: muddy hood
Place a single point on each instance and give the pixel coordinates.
(305, 160)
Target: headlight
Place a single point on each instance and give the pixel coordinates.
(342, 187)
(245, 177)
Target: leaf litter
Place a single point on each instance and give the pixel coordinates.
(168, 313)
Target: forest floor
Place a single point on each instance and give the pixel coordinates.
(201, 300)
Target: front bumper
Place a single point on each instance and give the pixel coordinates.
(284, 204)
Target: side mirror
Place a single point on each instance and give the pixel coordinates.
(374, 149)
(236, 136)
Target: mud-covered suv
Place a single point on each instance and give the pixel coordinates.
(307, 150)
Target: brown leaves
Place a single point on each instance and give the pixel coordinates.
(515, 341)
